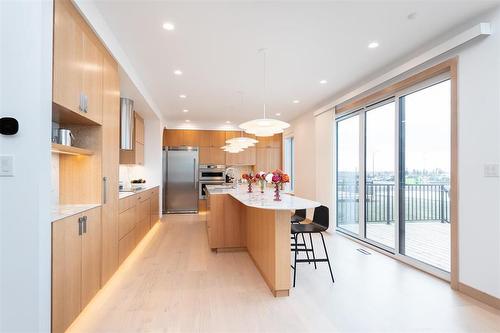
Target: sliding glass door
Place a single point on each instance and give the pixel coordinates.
(380, 174)
(348, 174)
(393, 174)
(425, 175)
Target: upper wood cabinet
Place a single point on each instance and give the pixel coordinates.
(77, 66)
(268, 159)
(76, 264)
(136, 155)
(274, 141)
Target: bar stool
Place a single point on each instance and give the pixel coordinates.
(319, 224)
(297, 217)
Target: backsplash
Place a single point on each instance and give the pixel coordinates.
(241, 169)
(54, 179)
(129, 172)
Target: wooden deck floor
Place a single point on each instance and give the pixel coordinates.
(426, 241)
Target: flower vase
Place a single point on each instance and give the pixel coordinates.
(250, 188)
(277, 192)
(262, 186)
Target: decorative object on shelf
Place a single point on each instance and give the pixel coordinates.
(264, 126)
(261, 178)
(137, 184)
(277, 178)
(250, 180)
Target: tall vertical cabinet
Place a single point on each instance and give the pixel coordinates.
(86, 100)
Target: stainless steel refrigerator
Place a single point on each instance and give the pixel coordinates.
(180, 180)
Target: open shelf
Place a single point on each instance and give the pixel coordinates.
(63, 149)
(64, 116)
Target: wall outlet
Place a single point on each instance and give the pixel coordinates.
(6, 166)
(492, 170)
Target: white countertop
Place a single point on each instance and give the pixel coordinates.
(62, 211)
(129, 193)
(264, 200)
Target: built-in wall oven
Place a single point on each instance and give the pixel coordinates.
(210, 175)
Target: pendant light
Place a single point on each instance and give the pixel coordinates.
(264, 126)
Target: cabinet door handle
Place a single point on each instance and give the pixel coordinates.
(84, 224)
(80, 226)
(105, 190)
(86, 104)
(81, 106)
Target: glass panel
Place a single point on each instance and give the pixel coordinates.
(348, 174)
(289, 161)
(380, 174)
(425, 180)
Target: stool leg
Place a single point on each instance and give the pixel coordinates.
(312, 248)
(295, 262)
(305, 247)
(327, 259)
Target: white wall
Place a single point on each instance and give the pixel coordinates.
(479, 144)
(26, 94)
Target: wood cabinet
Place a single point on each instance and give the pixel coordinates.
(136, 155)
(76, 252)
(268, 159)
(138, 213)
(110, 173)
(225, 223)
(77, 66)
(265, 156)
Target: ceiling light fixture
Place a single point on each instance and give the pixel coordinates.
(296, 101)
(231, 149)
(168, 26)
(278, 114)
(323, 82)
(228, 122)
(182, 96)
(264, 126)
(178, 72)
(373, 45)
(187, 120)
(185, 110)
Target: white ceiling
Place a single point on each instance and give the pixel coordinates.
(215, 45)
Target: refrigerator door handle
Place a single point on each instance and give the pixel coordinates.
(195, 181)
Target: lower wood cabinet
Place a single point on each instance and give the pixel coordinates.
(155, 206)
(76, 265)
(225, 223)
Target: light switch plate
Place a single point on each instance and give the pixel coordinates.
(6, 166)
(491, 170)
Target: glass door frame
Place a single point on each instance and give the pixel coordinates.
(396, 97)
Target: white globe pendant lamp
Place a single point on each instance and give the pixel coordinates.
(264, 126)
(232, 149)
(242, 142)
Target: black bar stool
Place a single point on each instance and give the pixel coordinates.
(319, 224)
(297, 217)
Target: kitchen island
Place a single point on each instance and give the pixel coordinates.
(255, 222)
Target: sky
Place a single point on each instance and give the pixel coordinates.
(427, 133)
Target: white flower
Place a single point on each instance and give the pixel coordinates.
(262, 173)
(269, 178)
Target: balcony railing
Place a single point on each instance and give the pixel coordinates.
(423, 202)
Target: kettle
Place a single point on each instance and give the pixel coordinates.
(64, 136)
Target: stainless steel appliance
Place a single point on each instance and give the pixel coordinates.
(180, 180)
(210, 174)
(64, 136)
(126, 123)
(203, 187)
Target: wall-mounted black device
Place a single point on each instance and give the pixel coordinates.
(8, 126)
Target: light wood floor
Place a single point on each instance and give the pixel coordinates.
(174, 283)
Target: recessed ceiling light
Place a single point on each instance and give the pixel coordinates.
(168, 26)
(296, 101)
(178, 72)
(228, 122)
(278, 114)
(412, 16)
(373, 45)
(185, 110)
(187, 120)
(323, 81)
(182, 96)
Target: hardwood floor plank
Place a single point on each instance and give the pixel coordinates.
(173, 282)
